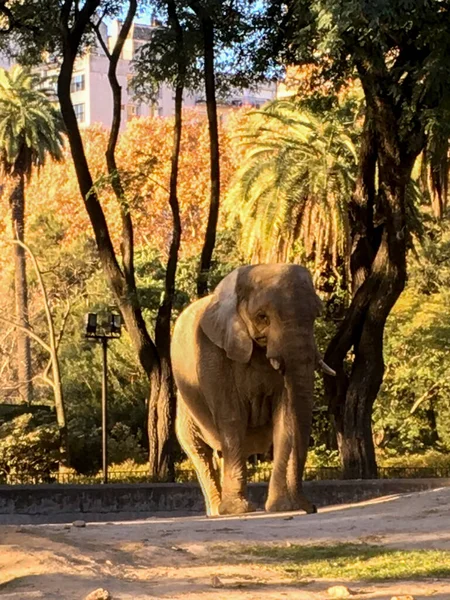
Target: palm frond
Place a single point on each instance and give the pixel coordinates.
(297, 176)
(30, 126)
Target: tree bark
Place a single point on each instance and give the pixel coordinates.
(362, 207)
(207, 27)
(382, 264)
(24, 370)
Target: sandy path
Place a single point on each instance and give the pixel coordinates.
(178, 557)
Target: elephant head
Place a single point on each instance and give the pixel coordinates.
(263, 304)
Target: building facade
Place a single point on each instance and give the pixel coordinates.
(92, 95)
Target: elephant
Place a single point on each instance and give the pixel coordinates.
(243, 360)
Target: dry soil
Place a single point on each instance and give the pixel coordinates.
(194, 557)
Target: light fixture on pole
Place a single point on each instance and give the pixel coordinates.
(109, 329)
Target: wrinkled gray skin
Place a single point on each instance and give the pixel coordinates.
(243, 360)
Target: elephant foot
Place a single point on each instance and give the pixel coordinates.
(213, 511)
(212, 506)
(286, 504)
(302, 503)
(235, 506)
(280, 504)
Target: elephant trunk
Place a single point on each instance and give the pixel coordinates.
(292, 425)
(294, 415)
(299, 386)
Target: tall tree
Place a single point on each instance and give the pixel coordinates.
(74, 24)
(205, 17)
(51, 347)
(399, 53)
(165, 60)
(218, 36)
(166, 410)
(30, 131)
(66, 29)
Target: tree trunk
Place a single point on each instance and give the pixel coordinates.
(52, 348)
(126, 298)
(362, 206)
(431, 437)
(165, 408)
(353, 412)
(161, 403)
(120, 282)
(353, 392)
(17, 202)
(211, 107)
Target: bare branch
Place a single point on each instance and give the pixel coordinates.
(46, 379)
(51, 349)
(29, 332)
(127, 242)
(63, 325)
(428, 394)
(48, 367)
(5, 364)
(43, 377)
(96, 27)
(48, 314)
(7, 334)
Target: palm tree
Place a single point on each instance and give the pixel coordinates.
(30, 130)
(291, 192)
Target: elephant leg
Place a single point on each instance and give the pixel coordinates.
(278, 499)
(294, 485)
(202, 458)
(285, 486)
(234, 484)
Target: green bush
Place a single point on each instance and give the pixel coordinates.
(29, 448)
(431, 459)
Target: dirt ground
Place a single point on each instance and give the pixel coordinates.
(179, 558)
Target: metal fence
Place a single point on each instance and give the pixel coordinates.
(256, 474)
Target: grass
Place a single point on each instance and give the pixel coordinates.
(352, 562)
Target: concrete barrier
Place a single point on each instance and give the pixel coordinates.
(56, 503)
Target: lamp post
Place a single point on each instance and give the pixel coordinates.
(109, 329)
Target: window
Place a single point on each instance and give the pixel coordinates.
(79, 112)
(77, 84)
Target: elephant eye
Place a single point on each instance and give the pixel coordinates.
(262, 319)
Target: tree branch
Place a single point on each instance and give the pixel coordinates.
(29, 332)
(429, 393)
(63, 325)
(96, 27)
(51, 329)
(127, 244)
(13, 23)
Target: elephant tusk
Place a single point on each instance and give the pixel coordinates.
(275, 363)
(326, 369)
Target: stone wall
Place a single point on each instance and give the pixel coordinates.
(23, 504)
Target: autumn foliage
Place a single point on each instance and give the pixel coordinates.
(143, 156)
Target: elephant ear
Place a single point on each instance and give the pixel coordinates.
(222, 323)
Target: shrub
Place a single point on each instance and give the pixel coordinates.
(29, 448)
